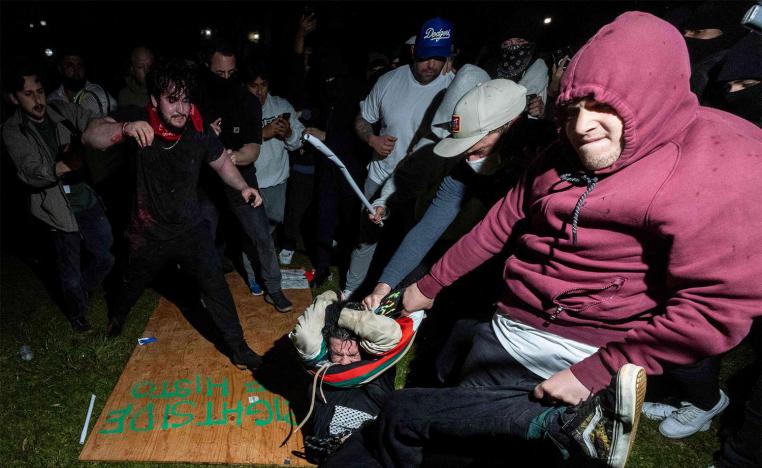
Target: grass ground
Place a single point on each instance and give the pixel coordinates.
(44, 400)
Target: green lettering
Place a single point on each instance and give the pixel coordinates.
(252, 411)
(136, 394)
(210, 421)
(180, 390)
(117, 417)
(279, 416)
(210, 387)
(237, 410)
(149, 424)
(188, 416)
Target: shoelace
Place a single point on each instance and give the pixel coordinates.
(588, 180)
(687, 414)
(321, 370)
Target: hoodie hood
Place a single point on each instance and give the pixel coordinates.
(639, 65)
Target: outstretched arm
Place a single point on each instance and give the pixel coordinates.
(104, 133)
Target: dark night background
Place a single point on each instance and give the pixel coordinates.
(106, 31)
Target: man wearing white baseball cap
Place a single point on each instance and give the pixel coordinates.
(480, 121)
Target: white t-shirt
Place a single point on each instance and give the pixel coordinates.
(272, 164)
(539, 351)
(399, 101)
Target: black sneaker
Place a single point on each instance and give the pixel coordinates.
(80, 324)
(244, 358)
(605, 425)
(279, 300)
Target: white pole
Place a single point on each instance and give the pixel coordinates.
(87, 420)
(335, 159)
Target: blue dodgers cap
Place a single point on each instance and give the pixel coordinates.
(434, 39)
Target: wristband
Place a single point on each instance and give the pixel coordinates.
(124, 125)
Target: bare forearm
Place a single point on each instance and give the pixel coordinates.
(363, 128)
(103, 133)
(230, 175)
(247, 154)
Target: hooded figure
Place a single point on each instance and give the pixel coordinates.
(663, 270)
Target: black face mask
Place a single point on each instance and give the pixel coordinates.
(72, 84)
(746, 103)
(700, 49)
(219, 86)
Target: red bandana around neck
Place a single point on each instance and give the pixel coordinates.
(160, 130)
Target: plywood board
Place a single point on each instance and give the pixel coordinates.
(180, 399)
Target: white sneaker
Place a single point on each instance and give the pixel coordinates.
(657, 411)
(285, 257)
(689, 419)
(345, 294)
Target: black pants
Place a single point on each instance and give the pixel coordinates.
(338, 207)
(491, 407)
(742, 449)
(298, 199)
(195, 253)
(697, 383)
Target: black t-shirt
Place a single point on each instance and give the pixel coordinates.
(166, 199)
(241, 115)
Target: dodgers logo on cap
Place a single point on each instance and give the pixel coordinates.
(434, 39)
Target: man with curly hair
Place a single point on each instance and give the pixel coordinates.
(166, 223)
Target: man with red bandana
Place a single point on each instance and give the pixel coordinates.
(166, 224)
(637, 241)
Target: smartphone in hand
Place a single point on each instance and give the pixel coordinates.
(286, 115)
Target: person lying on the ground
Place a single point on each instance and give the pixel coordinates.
(354, 351)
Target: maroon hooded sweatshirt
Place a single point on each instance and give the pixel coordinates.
(667, 267)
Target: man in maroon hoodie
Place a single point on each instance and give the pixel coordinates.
(638, 247)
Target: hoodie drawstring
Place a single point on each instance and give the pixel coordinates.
(588, 180)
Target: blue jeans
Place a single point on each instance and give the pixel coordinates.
(83, 258)
(259, 246)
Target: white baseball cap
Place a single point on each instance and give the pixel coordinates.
(485, 108)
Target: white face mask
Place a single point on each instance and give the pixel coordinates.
(485, 165)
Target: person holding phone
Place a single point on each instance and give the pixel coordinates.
(281, 133)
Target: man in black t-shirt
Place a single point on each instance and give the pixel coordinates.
(166, 223)
(236, 116)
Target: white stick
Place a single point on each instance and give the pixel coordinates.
(335, 159)
(87, 420)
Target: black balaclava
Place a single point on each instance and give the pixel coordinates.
(744, 62)
(725, 16)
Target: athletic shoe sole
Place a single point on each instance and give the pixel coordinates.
(630, 395)
(270, 301)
